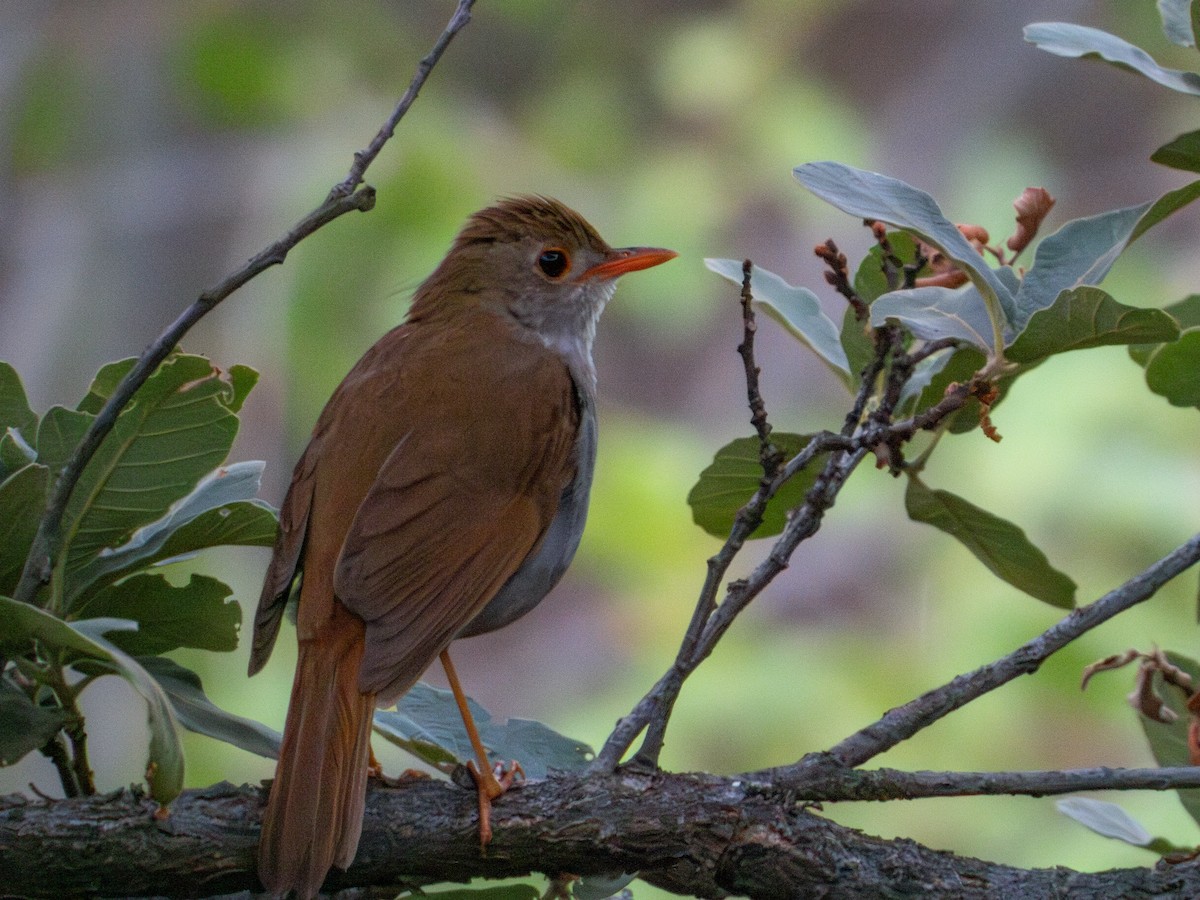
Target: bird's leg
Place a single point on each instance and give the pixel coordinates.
(487, 783)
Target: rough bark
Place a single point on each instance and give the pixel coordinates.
(693, 834)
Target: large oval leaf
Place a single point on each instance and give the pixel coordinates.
(179, 427)
(1066, 39)
(795, 308)
(426, 722)
(217, 512)
(1173, 370)
(995, 542)
(933, 313)
(730, 480)
(198, 614)
(1088, 317)
(197, 713)
(1082, 252)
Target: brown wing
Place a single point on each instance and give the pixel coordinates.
(465, 495)
(285, 559)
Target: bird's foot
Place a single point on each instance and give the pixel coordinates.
(491, 784)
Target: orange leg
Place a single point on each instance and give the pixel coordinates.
(488, 785)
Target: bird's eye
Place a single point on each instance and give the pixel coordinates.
(554, 262)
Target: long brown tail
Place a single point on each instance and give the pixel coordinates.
(314, 815)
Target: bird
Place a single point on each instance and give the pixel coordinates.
(442, 495)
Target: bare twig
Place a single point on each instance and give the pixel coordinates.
(903, 722)
(893, 784)
(364, 158)
(345, 197)
(838, 277)
(710, 621)
(745, 523)
(769, 456)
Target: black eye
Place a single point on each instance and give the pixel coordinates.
(554, 262)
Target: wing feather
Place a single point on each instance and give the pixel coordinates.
(461, 500)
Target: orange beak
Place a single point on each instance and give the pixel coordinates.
(628, 259)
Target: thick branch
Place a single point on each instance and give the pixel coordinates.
(697, 835)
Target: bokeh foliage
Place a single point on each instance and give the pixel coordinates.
(675, 124)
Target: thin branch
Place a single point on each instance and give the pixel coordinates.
(838, 277)
(893, 784)
(653, 711)
(364, 158)
(769, 456)
(745, 523)
(344, 198)
(903, 722)
(55, 750)
(710, 621)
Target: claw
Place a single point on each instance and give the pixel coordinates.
(489, 785)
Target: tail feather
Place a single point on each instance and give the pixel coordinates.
(313, 817)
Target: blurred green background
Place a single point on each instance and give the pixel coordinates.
(149, 148)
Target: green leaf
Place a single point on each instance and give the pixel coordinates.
(1181, 153)
(1165, 206)
(858, 343)
(1106, 819)
(1173, 370)
(216, 513)
(198, 614)
(1083, 251)
(922, 377)
(870, 283)
(1065, 39)
(1176, 18)
(22, 502)
(24, 623)
(426, 722)
(1169, 742)
(1185, 313)
(932, 313)
(15, 452)
(795, 308)
(963, 364)
(602, 887)
(242, 380)
(197, 713)
(59, 432)
(103, 385)
(998, 544)
(730, 480)
(1088, 317)
(24, 726)
(178, 428)
(14, 405)
(869, 195)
